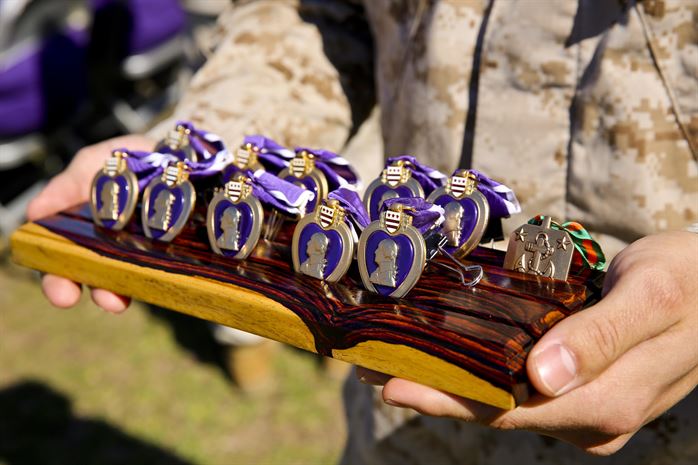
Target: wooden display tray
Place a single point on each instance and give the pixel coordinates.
(472, 342)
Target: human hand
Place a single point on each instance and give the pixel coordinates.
(604, 372)
(70, 188)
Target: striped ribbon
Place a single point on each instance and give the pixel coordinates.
(589, 251)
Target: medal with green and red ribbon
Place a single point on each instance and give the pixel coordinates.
(589, 253)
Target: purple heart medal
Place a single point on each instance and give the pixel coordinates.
(236, 215)
(187, 142)
(319, 171)
(114, 193)
(402, 177)
(324, 242)
(234, 219)
(260, 152)
(178, 142)
(395, 249)
(469, 199)
(116, 187)
(168, 203)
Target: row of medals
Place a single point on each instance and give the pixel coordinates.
(391, 253)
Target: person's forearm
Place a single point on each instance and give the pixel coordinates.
(269, 75)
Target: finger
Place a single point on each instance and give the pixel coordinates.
(60, 292)
(108, 301)
(429, 401)
(371, 377)
(579, 348)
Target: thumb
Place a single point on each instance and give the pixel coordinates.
(63, 191)
(582, 346)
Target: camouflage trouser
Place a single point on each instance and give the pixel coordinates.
(381, 434)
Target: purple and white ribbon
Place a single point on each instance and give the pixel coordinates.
(429, 178)
(278, 194)
(337, 170)
(272, 155)
(142, 165)
(425, 215)
(209, 147)
(201, 140)
(210, 167)
(149, 165)
(355, 210)
(502, 200)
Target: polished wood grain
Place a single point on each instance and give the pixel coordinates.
(469, 341)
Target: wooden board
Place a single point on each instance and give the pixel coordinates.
(472, 342)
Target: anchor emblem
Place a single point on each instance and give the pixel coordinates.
(540, 251)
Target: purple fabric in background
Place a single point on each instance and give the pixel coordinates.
(22, 107)
(428, 177)
(425, 215)
(354, 207)
(44, 85)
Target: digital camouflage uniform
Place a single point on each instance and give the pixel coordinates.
(588, 109)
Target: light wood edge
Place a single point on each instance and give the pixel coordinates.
(403, 362)
(38, 248)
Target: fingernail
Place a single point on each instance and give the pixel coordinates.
(394, 403)
(374, 379)
(556, 368)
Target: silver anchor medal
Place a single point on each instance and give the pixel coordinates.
(392, 254)
(247, 157)
(176, 141)
(168, 203)
(323, 243)
(395, 181)
(303, 173)
(234, 219)
(540, 251)
(114, 193)
(466, 209)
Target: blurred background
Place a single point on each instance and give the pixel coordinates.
(149, 386)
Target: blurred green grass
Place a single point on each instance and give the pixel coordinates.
(125, 391)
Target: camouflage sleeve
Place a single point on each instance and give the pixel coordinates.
(298, 71)
(671, 31)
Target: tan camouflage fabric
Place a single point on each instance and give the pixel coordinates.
(588, 109)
